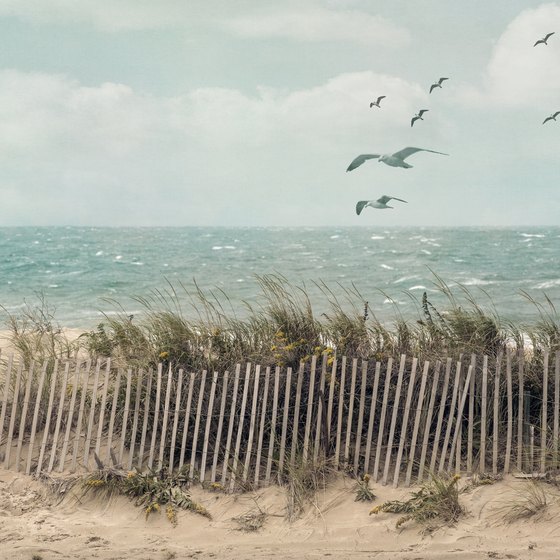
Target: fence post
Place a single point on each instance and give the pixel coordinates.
(372, 410)
(428, 424)
(544, 411)
(386, 388)
(510, 411)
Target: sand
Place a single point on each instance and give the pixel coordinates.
(35, 522)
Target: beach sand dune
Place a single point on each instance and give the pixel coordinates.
(33, 522)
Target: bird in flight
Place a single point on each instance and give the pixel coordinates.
(437, 84)
(376, 103)
(544, 39)
(552, 117)
(418, 116)
(380, 203)
(394, 160)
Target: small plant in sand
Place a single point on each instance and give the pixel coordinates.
(532, 501)
(251, 521)
(437, 500)
(151, 490)
(363, 491)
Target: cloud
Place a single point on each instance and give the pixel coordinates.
(109, 154)
(320, 24)
(519, 74)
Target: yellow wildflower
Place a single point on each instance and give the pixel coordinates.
(163, 355)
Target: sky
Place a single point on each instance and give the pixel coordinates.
(247, 113)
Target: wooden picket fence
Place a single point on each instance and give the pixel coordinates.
(397, 421)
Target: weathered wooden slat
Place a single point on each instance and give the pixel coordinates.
(456, 442)
(521, 389)
(470, 429)
(92, 412)
(263, 404)
(340, 412)
(441, 412)
(116, 388)
(509, 434)
(358, 441)
(309, 414)
(23, 418)
(38, 400)
(217, 445)
(240, 425)
(207, 428)
(79, 422)
(483, 414)
(496, 419)
(178, 398)
(428, 424)
(404, 425)
(321, 402)
(371, 416)
(46, 430)
(156, 416)
(451, 416)
(384, 405)
(136, 417)
(197, 423)
(54, 446)
(126, 414)
(416, 428)
(163, 436)
(350, 412)
(231, 423)
(15, 400)
(146, 418)
(555, 432)
(186, 420)
(394, 420)
(272, 439)
(7, 384)
(295, 430)
(544, 411)
(332, 385)
(285, 416)
(101, 420)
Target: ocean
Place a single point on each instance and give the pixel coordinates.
(83, 272)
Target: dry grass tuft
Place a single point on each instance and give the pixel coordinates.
(532, 501)
(363, 492)
(436, 500)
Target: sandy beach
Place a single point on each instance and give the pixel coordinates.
(34, 523)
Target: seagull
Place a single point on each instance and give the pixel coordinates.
(380, 203)
(376, 103)
(394, 160)
(418, 116)
(544, 39)
(438, 84)
(552, 117)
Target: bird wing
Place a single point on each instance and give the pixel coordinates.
(360, 159)
(432, 87)
(422, 111)
(556, 114)
(547, 119)
(380, 98)
(539, 41)
(361, 205)
(414, 119)
(405, 152)
(384, 199)
(548, 35)
(441, 80)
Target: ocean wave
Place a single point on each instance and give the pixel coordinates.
(405, 278)
(387, 267)
(547, 285)
(477, 282)
(532, 235)
(419, 287)
(377, 237)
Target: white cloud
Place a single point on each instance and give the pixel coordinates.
(519, 74)
(320, 25)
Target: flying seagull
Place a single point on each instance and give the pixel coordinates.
(376, 103)
(552, 117)
(418, 116)
(544, 39)
(380, 203)
(394, 160)
(438, 84)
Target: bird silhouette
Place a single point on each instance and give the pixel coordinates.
(552, 117)
(418, 116)
(380, 203)
(544, 39)
(437, 84)
(394, 160)
(376, 103)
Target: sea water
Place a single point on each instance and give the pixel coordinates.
(83, 272)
